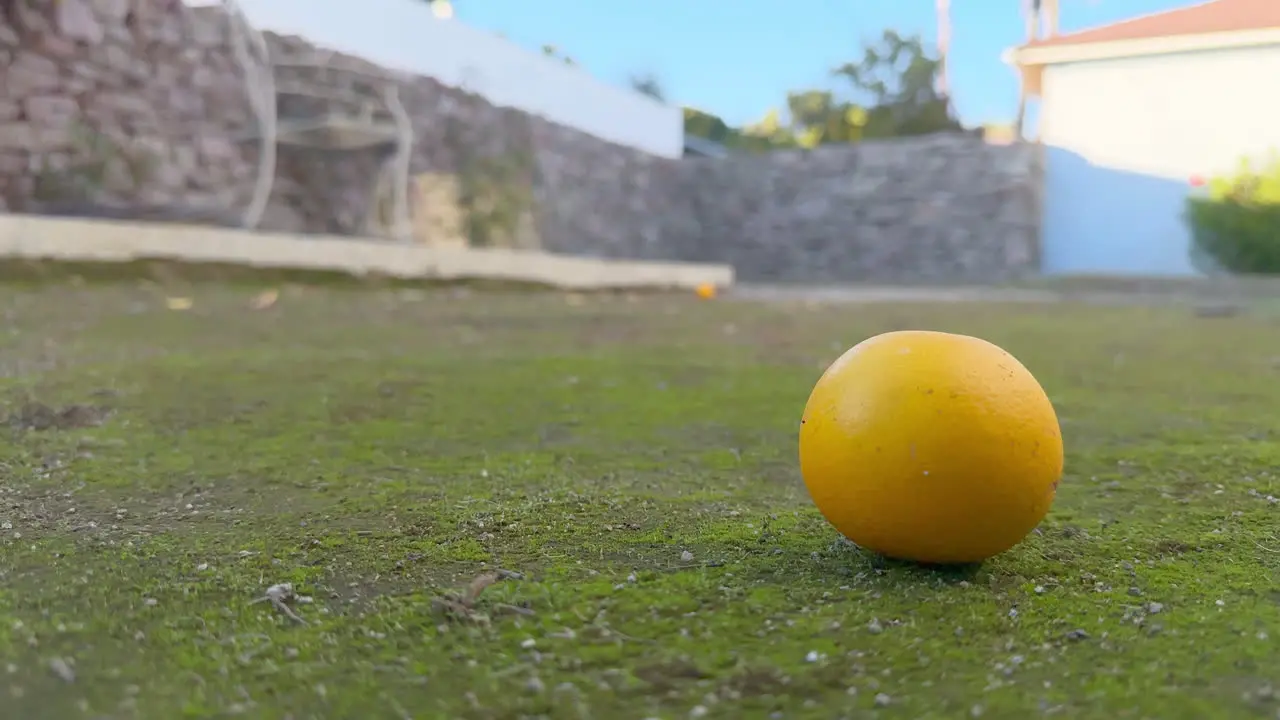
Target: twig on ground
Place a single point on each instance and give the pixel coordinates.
(280, 595)
(461, 605)
(483, 581)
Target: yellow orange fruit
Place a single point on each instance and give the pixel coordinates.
(930, 446)
(706, 291)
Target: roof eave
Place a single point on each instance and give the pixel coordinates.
(1028, 55)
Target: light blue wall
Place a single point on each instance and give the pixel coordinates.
(1103, 221)
(1123, 138)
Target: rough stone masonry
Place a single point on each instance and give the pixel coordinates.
(139, 105)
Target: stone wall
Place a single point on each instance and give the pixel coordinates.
(932, 209)
(943, 208)
(142, 102)
(130, 98)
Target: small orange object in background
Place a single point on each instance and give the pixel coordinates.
(931, 447)
(706, 291)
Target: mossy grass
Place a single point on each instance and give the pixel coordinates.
(629, 463)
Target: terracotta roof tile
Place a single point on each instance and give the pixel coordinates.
(1207, 17)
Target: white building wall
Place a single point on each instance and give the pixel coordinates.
(1124, 137)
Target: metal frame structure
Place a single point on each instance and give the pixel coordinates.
(326, 130)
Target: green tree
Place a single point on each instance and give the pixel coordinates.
(897, 76)
(817, 118)
(705, 125)
(649, 85)
(895, 85)
(552, 51)
(895, 94)
(768, 133)
(1235, 225)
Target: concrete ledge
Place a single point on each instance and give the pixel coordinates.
(34, 237)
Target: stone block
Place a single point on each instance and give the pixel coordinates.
(76, 20)
(436, 216)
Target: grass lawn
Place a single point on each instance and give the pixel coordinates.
(502, 505)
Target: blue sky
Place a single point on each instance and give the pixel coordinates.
(738, 58)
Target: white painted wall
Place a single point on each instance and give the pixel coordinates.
(1124, 136)
(405, 35)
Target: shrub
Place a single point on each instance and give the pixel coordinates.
(1235, 226)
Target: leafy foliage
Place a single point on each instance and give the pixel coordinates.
(1236, 224)
(705, 125)
(893, 94)
(648, 85)
(898, 75)
(552, 51)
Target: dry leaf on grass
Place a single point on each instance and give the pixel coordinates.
(179, 303)
(265, 299)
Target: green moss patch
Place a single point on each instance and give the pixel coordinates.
(502, 505)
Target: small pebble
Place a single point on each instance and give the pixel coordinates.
(62, 670)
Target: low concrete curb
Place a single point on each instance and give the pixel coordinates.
(77, 240)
